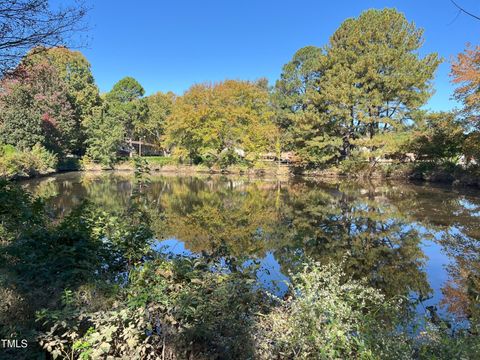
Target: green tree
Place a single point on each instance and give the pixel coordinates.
(20, 121)
(367, 85)
(121, 116)
(300, 113)
(159, 108)
(439, 137)
(376, 80)
(299, 81)
(126, 105)
(104, 137)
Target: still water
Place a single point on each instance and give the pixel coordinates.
(416, 241)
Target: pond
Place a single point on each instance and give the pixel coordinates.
(417, 241)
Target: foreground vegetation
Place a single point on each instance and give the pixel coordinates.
(353, 107)
(90, 285)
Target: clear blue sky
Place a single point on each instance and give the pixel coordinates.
(170, 45)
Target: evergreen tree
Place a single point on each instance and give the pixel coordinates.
(127, 105)
(376, 79)
(359, 96)
(300, 113)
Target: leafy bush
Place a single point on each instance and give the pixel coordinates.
(209, 158)
(37, 160)
(328, 316)
(471, 147)
(69, 164)
(41, 160)
(438, 138)
(19, 212)
(182, 308)
(325, 317)
(120, 333)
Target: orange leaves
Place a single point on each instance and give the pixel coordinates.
(466, 73)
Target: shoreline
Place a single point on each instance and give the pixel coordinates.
(283, 171)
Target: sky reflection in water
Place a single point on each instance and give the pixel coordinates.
(420, 241)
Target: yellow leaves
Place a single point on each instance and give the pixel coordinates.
(223, 115)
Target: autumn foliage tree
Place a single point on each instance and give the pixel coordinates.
(48, 99)
(221, 123)
(35, 108)
(75, 71)
(466, 75)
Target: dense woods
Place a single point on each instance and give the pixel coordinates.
(354, 106)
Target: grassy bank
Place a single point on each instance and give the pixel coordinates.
(169, 165)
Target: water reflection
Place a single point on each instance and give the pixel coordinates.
(382, 232)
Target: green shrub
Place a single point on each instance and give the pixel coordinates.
(37, 160)
(9, 165)
(328, 316)
(8, 150)
(120, 333)
(209, 159)
(175, 306)
(41, 159)
(325, 317)
(203, 308)
(69, 164)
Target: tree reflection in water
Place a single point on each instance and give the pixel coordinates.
(379, 229)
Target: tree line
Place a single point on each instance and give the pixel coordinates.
(351, 104)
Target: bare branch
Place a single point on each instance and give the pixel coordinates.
(25, 24)
(465, 11)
